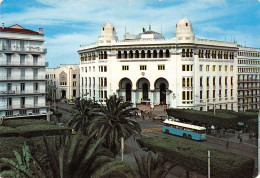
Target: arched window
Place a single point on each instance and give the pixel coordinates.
(183, 53)
(186, 24)
(148, 54)
(136, 54)
(142, 54)
(161, 54)
(105, 55)
(125, 54)
(167, 53)
(119, 55)
(154, 54)
(131, 54)
(191, 53)
(101, 55)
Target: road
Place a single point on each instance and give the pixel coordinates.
(248, 147)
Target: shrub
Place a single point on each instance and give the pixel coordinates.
(193, 157)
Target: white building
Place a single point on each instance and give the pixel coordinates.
(180, 72)
(248, 78)
(64, 80)
(22, 72)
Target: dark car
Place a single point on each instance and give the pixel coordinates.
(160, 117)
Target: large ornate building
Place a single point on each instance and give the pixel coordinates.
(63, 81)
(22, 72)
(181, 72)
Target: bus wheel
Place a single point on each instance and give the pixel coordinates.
(189, 137)
(184, 136)
(167, 131)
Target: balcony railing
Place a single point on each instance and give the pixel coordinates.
(16, 106)
(23, 49)
(249, 80)
(18, 63)
(18, 92)
(29, 77)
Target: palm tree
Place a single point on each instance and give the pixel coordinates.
(83, 112)
(24, 166)
(152, 166)
(113, 123)
(81, 156)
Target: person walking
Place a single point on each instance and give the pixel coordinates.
(227, 144)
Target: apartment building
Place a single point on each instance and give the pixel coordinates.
(22, 72)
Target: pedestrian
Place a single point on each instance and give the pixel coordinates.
(240, 139)
(227, 144)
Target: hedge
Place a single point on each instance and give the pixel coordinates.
(30, 128)
(221, 120)
(193, 157)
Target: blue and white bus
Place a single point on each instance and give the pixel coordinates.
(189, 131)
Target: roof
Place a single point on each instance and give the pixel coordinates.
(184, 125)
(18, 29)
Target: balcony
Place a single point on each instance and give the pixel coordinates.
(14, 78)
(18, 63)
(25, 106)
(248, 80)
(29, 49)
(21, 92)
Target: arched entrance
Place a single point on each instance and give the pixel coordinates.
(162, 93)
(161, 86)
(125, 88)
(63, 94)
(143, 87)
(128, 90)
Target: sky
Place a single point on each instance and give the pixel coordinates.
(67, 24)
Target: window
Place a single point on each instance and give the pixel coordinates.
(207, 68)
(35, 101)
(226, 68)
(22, 59)
(214, 68)
(22, 102)
(231, 68)
(142, 67)
(201, 94)
(119, 55)
(219, 68)
(74, 75)
(74, 84)
(86, 69)
(207, 81)
(201, 80)
(22, 87)
(183, 67)
(214, 93)
(219, 81)
(201, 66)
(35, 60)
(219, 93)
(231, 81)
(36, 87)
(125, 67)
(161, 67)
(74, 93)
(226, 81)
(207, 94)
(214, 81)
(231, 92)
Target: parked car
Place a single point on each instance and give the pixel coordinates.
(160, 117)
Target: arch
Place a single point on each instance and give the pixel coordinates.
(131, 54)
(125, 85)
(63, 93)
(148, 54)
(167, 53)
(136, 54)
(144, 85)
(154, 54)
(161, 53)
(142, 54)
(125, 54)
(161, 85)
(105, 55)
(119, 55)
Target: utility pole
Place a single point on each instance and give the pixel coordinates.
(122, 148)
(208, 164)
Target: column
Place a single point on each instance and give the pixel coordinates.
(151, 95)
(133, 97)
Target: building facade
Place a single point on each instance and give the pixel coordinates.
(63, 82)
(248, 78)
(22, 72)
(181, 72)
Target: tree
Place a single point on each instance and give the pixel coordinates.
(152, 166)
(81, 156)
(83, 112)
(113, 123)
(25, 166)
